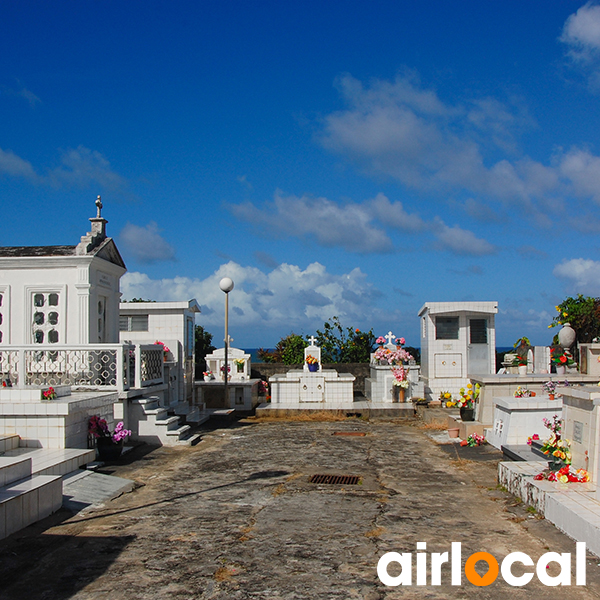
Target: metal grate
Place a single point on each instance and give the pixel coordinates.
(335, 479)
(351, 433)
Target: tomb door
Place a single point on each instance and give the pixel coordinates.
(479, 348)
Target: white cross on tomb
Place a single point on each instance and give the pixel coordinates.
(389, 337)
(312, 340)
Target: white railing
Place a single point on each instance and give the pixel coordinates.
(106, 366)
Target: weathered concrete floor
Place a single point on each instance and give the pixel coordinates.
(236, 518)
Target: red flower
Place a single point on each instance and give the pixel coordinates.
(563, 359)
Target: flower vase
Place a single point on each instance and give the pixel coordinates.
(108, 451)
(561, 369)
(555, 464)
(240, 368)
(551, 396)
(566, 336)
(467, 414)
(522, 369)
(313, 368)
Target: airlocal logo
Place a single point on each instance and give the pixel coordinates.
(505, 568)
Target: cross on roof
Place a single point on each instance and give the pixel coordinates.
(389, 337)
(312, 340)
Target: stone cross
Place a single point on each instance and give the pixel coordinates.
(389, 337)
(99, 207)
(312, 340)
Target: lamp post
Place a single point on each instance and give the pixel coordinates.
(226, 285)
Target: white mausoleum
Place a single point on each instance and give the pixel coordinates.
(457, 339)
(61, 294)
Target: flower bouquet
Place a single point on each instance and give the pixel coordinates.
(566, 474)
(208, 375)
(313, 363)
(49, 394)
(555, 447)
(467, 400)
(447, 400)
(523, 393)
(475, 440)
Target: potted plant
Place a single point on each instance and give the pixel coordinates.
(208, 375)
(561, 359)
(239, 363)
(313, 363)
(550, 388)
(165, 348)
(49, 394)
(399, 384)
(521, 363)
(109, 445)
(467, 400)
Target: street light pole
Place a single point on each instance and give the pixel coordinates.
(226, 285)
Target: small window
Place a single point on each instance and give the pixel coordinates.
(53, 336)
(38, 318)
(38, 300)
(446, 328)
(478, 329)
(53, 299)
(123, 324)
(53, 318)
(38, 337)
(139, 323)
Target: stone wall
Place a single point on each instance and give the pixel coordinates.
(360, 370)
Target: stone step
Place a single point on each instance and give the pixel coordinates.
(9, 441)
(27, 501)
(159, 414)
(170, 423)
(54, 461)
(13, 468)
(178, 433)
(190, 440)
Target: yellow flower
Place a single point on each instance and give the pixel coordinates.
(557, 453)
(563, 479)
(565, 314)
(557, 308)
(469, 385)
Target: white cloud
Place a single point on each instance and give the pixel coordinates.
(145, 244)
(581, 33)
(393, 214)
(438, 146)
(13, 165)
(81, 167)
(582, 275)
(287, 297)
(348, 226)
(460, 241)
(582, 170)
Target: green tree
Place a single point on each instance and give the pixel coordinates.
(344, 345)
(583, 313)
(202, 347)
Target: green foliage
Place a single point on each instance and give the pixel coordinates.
(138, 300)
(202, 347)
(344, 345)
(289, 350)
(583, 313)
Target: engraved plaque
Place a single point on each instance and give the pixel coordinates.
(577, 432)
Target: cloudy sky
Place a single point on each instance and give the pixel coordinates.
(351, 158)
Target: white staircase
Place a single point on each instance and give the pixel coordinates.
(24, 497)
(154, 425)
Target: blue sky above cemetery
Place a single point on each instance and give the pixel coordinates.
(355, 159)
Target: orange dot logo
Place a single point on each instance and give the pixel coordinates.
(474, 577)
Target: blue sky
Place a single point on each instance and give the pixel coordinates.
(355, 159)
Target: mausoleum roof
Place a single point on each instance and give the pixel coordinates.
(437, 308)
(27, 251)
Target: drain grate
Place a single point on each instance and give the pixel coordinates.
(335, 479)
(350, 433)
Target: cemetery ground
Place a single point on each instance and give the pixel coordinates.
(236, 517)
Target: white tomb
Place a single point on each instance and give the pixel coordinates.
(321, 388)
(237, 360)
(516, 419)
(242, 390)
(379, 387)
(458, 339)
